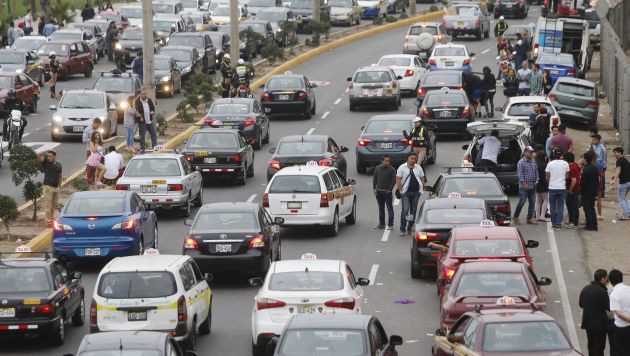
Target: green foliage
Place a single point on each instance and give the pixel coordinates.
(272, 52)
(25, 166)
(206, 91)
(249, 33)
(194, 102)
(195, 80)
(80, 184)
(390, 19)
(182, 112)
(162, 124)
(63, 12)
(317, 28)
(433, 8)
(403, 15)
(290, 28)
(202, 87)
(378, 20)
(8, 211)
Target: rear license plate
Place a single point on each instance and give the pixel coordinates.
(461, 23)
(7, 312)
(445, 114)
(93, 251)
(132, 54)
(306, 309)
(149, 189)
(136, 316)
(509, 6)
(283, 97)
(223, 248)
(77, 128)
(553, 71)
(210, 160)
(422, 55)
(294, 205)
(387, 145)
(449, 63)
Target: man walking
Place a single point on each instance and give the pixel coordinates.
(87, 136)
(620, 306)
(383, 181)
(409, 179)
(527, 171)
(490, 148)
(10, 34)
(524, 76)
(589, 186)
(556, 173)
(52, 181)
(562, 140)
(536, 83)
(573, 191)
(554, 131)
(137, 66)
(622, 174)
(602, 163)
(88, 12)
(595, 305)
(146, 109)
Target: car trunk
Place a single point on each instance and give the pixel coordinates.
(564, 95)
(296, 304)
(146, 186)
(285, 95)
(294, 203)
(89, 227)
(385, 143)
(226, 121)
(203, 157)
(15, 307)
(445, 113)
(224, 243)
(295, 160)
(127, 314)
(448, 62)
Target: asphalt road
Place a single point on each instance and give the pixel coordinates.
(382, 257)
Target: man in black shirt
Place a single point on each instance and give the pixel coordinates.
(52, 182)
(383, 182)
(622, 173)
(595, 304)
(589, 186)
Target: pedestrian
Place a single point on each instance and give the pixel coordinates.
(88, 12)
(146, 109)
(28, 22)
(100, 8)
(55, 67)
(131, 117)
(573, 191)
(602, 164)
(383, 182)
(489, 146)
(500, 27)
(137, 66)
(589, 185)
(49, 28)
(622, 174)
(510, 84)
(620, 306)
(540, 128)
(109, 6)
(40, 25)
(87, 136)
(109, 39)
(420, 139)
(542, 188)
(556, 173)
(474, 90)
(527, 42)
(489, 85)
(554, 131)
(593, 130)
(409, 180)
(562, 140)
(521, 50)
(536, 82)
(44, 5)
(547, 82)
(10, 34)
(595, 306)
(524, 76)
(114, 166)
(527, 172)
(95, 160)
(52, 181)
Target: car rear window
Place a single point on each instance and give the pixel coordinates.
(285, 83)
(471, 187)
(301, 148)
(153, 167)
(442, 99)
(229, 109)
(66, 36)
(372, 76)
(101, 206)
(524, 109)
(566, 61)
(10, 57)
(213, 141)
(337, 342)
(532, 336)
(226, 221)
(24, 280)
(417, 30)
(389, 127)
(125, 285)
(454, 216)
(60, 48)
(449, 51)
(125, 352)
(306, 281)
(481, 284)
(114, 84)
(486, 248)
(573, 89)
(295, 184)
(445, 80)
(395, 61)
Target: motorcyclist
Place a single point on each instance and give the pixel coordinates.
(420, 139)
(500, 27)
(242, 75)
(13, 102)
(227, 72)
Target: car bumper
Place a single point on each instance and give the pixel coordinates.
(424, 257)
(370, 12)
(374, 158)
(463, 31)
(24, 327)
(364, 100)
(163, 87)
(251, 261)
(265, 330)
(214, 169)
(282, 108)
(513, 11)
(73, 248)
(448, 126)
(323, 217)
(466, 68)
(408, 83)
(164, 201)
(340, 20)
(577, 115)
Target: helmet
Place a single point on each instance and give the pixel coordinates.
(417, 119)
(241, 61)
(226, 56)
(52, 54)
(12, 93)
(501, 18)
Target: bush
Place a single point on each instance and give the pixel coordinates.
(317, 28)
(161, 122)
(182, 111)
(378, 20)
(193, 100)
(390, 19)
(433, 8)
(80, 184)
(206, 91)
(196, 80)
(272, 52)
(403, 15)
(26, 167)
(8, 211)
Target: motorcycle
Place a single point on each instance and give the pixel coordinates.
(13, 128)
(243, 91)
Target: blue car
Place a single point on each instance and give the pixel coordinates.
(103, 225)
(559, 65)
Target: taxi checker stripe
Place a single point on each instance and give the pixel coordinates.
(218, 170)
(17, 327)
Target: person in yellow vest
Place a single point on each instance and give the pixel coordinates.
(500, 27)
(420, 139)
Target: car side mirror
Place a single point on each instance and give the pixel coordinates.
(255, 282)
(472, 54)
(344, 149)
(76, 275)
(399, 77)
(60, 208)
(362, 127)
(454, 339)
(544, 281)
(351, 181)
(532, 243)
(465, 147)
(363, 282)
(188, 222)
(278, 220)
(440, 332)
(270, 348)
(272, 150)
(52, 107)
(208, 277)
(349, 79)
(395, 340)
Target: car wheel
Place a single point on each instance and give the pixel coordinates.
(416, 272)
(352, 218)
(250, 171)
(258, 350)
(478, 35)
(179, 87)
(258, 140)
(358, 20)
(206, 326)
(242, 179)
(59, 333)
(88, 72)
(199, 199)
(352, 107)
(171, 92)
(190, 343)
(33, 107)
(307, 114)
(79, 316)
(361, 168)
(187, 207)
(333, 229)
(41, 79)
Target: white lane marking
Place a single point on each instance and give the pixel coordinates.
(485, 51)
(347, 89)
(372, 275)
(562, 286)
(337, 101)
(396, 201)
(385, 235)
(48, 124)
(26, 134)
(310, 131)
(251, 198)
(325, 115)
(473, 58)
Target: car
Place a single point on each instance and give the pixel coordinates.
(374, 85)
(181, 23)
(133, 14)
(95, 30)
(221, 43)
(344, 12)
(576, 100)
(163, 180)
(451, 57)
(422, 45)
(220, 152)
(168, 77)
(311, 195)
(39, 296)
(149, 342)
(305, 286)
(447, 111)
(153, 292)
(130, 43)
(407, 66)
(192, 5)
(255, 6)
(118, 86)
(264, 29)
(189, 24)
(188, 60)
(303, 11)
(437, 80)
(299, 149)
(394, 5)
(27, 89)
(466, 18)
(248, 47)
(282, 20)
(289, 94)
(202, 20)
(75, 57)
(77, 109)
(165, 27)
(110, 16)
(506, 330)
(511, 8)
(349, 334)
(221, 14)
(436, 218)
(167, 7)
(559, 65)
(103, 25)
(29, 43)
(77, 34)
(518, 108)
(243, 114)
(233, 237)
(594, 26)
(471, 184)
(513, 29)
(373, 8)
(203, 43)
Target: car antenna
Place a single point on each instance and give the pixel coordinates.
(306, 269)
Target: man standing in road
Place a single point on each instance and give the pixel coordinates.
(52, 181)
(87, 136)
(620, 306)
(527, 171)
(490, 147)
(556, 173)
(524, 76)
(137, 66)
(596, 306)
(622, 173)
(146, 109)
(383, 182)
(602, 163)
(554, 132)
(573, 190)
(114, 164)
(562, 140)
(589, 186)
(88, 12)
(536, 83)
(409, 180)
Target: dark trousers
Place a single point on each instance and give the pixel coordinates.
(588, 204)
(487, 163)
(529, 196)
(572, 207)
(89, 171)
(622, 341)
(596, 343)
(384, 198)
(152, 132)
(611, 337)
(408, 212)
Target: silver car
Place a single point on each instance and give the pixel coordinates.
(422, 37)
(163, 180)
(576, 100)
(77, 109)
(77, 34)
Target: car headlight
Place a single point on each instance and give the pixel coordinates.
(278, 30)
(186, 69)
(118, 46)
(18, 70)
(165, 78)
(102, 118)
(57, 118)
(123, 105)
(217, 51)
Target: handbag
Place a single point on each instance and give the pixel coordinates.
(397, 193)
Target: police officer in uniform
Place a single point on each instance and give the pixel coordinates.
(241, 76)
(227, 72)
(54, 72)
(13, 102)
(500, 27)
(420, 139)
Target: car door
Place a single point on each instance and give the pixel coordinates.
(357, 291)
(190, 291)
(176, 74)
(338, 193)
(266, 229)
(346, 193)
(201, 304)
(139, 209)
(25, 88)
(261, 118)
(74, 63)
(275, 231)
(72, 287)
(191, 178)
(339, 160)
(378, 338)
(445, 348)
(85, 55)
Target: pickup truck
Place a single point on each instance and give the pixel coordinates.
(466, 19)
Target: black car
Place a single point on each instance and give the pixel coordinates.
(136, 342)
(119, 86)
(300, 149)
(511, 8)
(220, 152)
(436, 218)
(264, 29)
(96, 31)
(168, 78)
(247, 46)
(188, 59)
(451, 79)
(289, 93)
(473, 184)
(233, 237)
(38, 296)
(221, 43)
(303, 10)
(446, 111)
(283, 23)
(131, 43)
(243, 114)
(255, 6)
(202, 42)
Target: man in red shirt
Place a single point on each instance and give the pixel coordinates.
(573, 190)
(562, 140)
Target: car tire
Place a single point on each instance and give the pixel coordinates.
(307, 114)
(250, 171)
(33, 108)
(258, 350)
(78, 318)
(187, 207)
(59, 333)
(206, 327)
(190, 343)
(479, 35)
(258, 140)
(242, 179)
(361, 168)
(352, 218)
(54, 138)
(416, 272)
(88, 72)
(41, 79)
(199, 198)
(333, 229)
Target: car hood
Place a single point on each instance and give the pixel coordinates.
(506, 129)
(75, 112)
(131, 43)
(6, 67)
(340, 10)
(161, 73)
(303, 12)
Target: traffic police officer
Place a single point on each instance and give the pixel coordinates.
(500, 27)
(420, 139)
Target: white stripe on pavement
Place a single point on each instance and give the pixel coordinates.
(372, 275)
(337, 101)
(385, 235)
(310, 131)
(251, 198)
(326, 114)
(485, 51)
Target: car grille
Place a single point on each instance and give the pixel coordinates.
(78, 118)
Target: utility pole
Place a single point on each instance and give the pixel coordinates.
(148, 64)
(316, 10)
(412, 7)
(234, 39)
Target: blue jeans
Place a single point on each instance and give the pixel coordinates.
(152, 132)
(523, 91)
(130, 133)
(556, 205)
(523, 195)
(409, 207)
(622, 193)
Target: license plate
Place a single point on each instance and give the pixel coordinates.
(7, 312)
(92, 251)
(553, 71)
(201, 153)
(461, 23)
(210, 160)
(445, 114)
(223, 248)
(284, 97)
(136, 316)
(387, 145)
(449, 63)
(77, 128)
(294, 205)
(149, 189)
(509, 6)
(306, 309)
(422, 55)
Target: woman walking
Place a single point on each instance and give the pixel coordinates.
(95, 160)
(510, 84)
(547, 84)
(489, 85)
(131, 115)
(542, 189)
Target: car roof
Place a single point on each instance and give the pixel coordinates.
(387, 117)
(491, 266)
(529, 99)
(186, 34)
(161, 56)
(143, 263)
(134, 6)
(100, 194)
(23, 262)
(115, 340)
(425, 24)
(465, 174)
(445, 92)
(32, 38)
(570, 80)
(454, 203)
(153, 155)
(83, 91)
(333, 321)
(373, 68)
(71, 30)
(489, 233)
(450, 44)
(229, 207)
(273, 9)
(443, 72)
(286, 75)
(302, 170)
(305, 138)
(312, 265)
(205, 130)
(181, 48)
(24, 51)
(233, 100)
(399, 55)
(64, 41)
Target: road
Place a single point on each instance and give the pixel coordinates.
(372, 253)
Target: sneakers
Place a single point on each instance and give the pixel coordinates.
(569, 226)
(516, 221)
(403, 233)
(599, 217)
(557, 227)
(389, 227)
(532, 222)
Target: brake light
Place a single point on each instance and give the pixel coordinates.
(440, 38)
(594, 104)
(467, 61)
(175, 187)
(460, 88)
(572, 72)
(301, 95)
(503, 209)
(406, 142)
(122, 186)
(265, 96)
(126, 225)
(265, 200)
(350, 86)
(325, 162)
(268, 303)
(249, 121)
(394, 85)
(431, 61)
(182, 312)
(555, 121)
(190, 244)
(364, 142)
(275, 164)
(45, 309)
(234, 159)
(323, 200)
(345, 303)
(257, 241)
(427, 236)
(421, 91)
(449, 273)
(466, 158)
(535, 52)
(189, 158)
(409, 73)
(57, 226)
(93, 313)
(478, 23)
(424, 112)
(443, 21)
(553, 97)
(466, 111)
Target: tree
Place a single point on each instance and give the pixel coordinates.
(25, 167)
(317, 28)
(63, 12)
(8, 211)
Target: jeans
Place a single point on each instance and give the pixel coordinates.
(523, 195)
(542, 203)
(588, 204)
(523, 91)
(384, 198)
(572, 207)
(556, 205)
(409, 207)
(622, 193)
(130, 134)
(152, 131)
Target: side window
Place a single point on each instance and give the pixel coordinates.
(469, 334)
(186, 166)
(187, 283)
(256, 107)
(196, 271)
(267, 216)
(328, 181)
(375, 337)
(25, 80)
(191, 273)
(139, 203)
(336, 183)
(341, 178)
(460, 326)
(242, 141)
(332, 146)
(350, 276)
(56, 277)
(135, 208)
(266, 220)
(381, 332)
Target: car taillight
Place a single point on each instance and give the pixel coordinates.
(189, 158)
(427, 236)
(460, 88)
(130, 224)
(449, 273)
(421, 91)
(467, 61)
(175, 187)
(440, 38)
(323, 200)
(265, 200)
(190, 244)
(234, 159)
(443, 21)
(466, 111)
(345, 303)
(45, 309)
(478, 23)
(394, 85)
(257, 241)
(249, 121)
(594, 104)
(555, 121)
(572, 72)
(350, 86)
(301, 95)
(93, 313)
(265, 96)
(535, 52)
(553, 97)
(325, 162)
(57, 226)
(503, 209)
(431, 61)
(275, 164)
(409, 73)
(425, 112)
(122, 186)
(364, 142)
(182, 312)
(406, 141)
(268, 303)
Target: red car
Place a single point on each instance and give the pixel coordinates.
(465, 243)
(27, 89)
(75, 57)
(480, 283)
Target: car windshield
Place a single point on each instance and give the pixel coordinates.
(226, 221)
(574, 89)
(82, 101)
(190, 4)
(465, 11)
(379, 127)
(101, 206)
(132, 35)
(28, 43)
(524, 336)
(471, 187)
(282, 83)
(162, 64)
(487, 248)
(131, 12)
(163, 8)
(513, 30)
(480, 284)
(10, 57)
(372, 76)
(189, 41)
(66, 36)
(445, 80)
(524, 109)
(61, 49)
(137, 284)
(442, 99)
(306, 281)
(301, 148)
(114, 84)
(395, 61)
(565, 61)
(450, 51)
(24, 280)
(177, 54)
(295, 184)
(301, 4)
(454, 216)
(126, 352)
(5, 82)
(272, 16)
(164, 25)
(340, 3)
(213, 141)
(262, 3)
(229, 109)
(221, 11)
(417, 30)
(153, 167)
(337, 342)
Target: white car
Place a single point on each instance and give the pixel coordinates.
(451, 56)
(518, 108)
(311, 195)
(153, 292)
(77, 109)
(374, 85)
(407, 66)
(416, 42)
(305, 286)
(29, 43)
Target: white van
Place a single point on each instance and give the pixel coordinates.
(169, 7)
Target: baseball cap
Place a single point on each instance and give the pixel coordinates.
(529, 149)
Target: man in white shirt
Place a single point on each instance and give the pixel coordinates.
(409, 180)
(490, 147)
(524, 75)
(620, 307)
(556, 172)
(114, 163)
(146, 109)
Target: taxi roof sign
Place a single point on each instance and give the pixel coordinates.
(467, 164)
(312, 164)
(309, 256)
(454, 195)
(151, 252)
(23, 248)
(487, 223)
(505, 301)
(288, 72)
